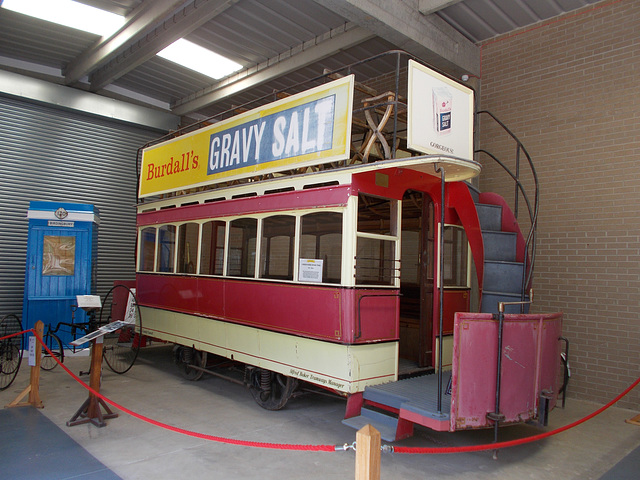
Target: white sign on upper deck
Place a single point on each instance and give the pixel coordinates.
(309, 128)
(440, 114)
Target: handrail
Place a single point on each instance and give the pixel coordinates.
(530, 243)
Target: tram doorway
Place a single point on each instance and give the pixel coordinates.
(416, 282)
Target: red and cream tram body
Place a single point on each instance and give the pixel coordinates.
(350, 272)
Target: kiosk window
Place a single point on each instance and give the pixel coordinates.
(58, 255)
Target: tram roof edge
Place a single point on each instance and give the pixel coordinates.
(456, 169)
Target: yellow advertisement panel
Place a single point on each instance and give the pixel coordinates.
(308, 128)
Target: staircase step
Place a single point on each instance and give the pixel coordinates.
(385, 424)
(490, 216)
(503, 276)
(490, 302)
(499, 246)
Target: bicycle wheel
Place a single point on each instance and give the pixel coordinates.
(53, 343)
(10, 350)
(121, 346)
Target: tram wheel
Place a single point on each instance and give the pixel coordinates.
(269, 389)
(121, 346)
(185, 357)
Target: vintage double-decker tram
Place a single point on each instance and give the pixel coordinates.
(282, 240)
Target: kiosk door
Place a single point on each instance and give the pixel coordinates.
(60, 258)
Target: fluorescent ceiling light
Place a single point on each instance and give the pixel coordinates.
(69, 13)
(195, 57)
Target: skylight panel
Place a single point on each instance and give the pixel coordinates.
(199, 59)
(69, 13)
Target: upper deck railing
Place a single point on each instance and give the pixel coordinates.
(379, 116)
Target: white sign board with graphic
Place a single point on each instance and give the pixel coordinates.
(440, 114)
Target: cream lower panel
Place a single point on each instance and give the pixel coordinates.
(347, 368)
(447, 352)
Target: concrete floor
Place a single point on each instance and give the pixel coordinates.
(133, 449)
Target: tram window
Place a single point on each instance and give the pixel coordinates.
(212, 256)
(376, 215)
(375, 262)
(276, 251)
(187, 247)
(321, 239)
(166, 248)
(455, 257)
(242, 247)
(147, 249)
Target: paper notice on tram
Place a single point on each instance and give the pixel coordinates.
(310, 270)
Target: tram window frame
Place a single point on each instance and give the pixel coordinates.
(241, 256)
(377, 243)
(186, 252)
(147, 249)
(277, 250)
(212, 251)
(322, 240)
(166, 245)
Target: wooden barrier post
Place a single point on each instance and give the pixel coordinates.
(368, 453)
(33, 389)
(634, 421)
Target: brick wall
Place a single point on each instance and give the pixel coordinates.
(570, 90)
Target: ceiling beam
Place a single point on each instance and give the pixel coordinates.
(143, 19)
(305, 54)
(179, 25)
(428, 37)
(60, 96)
(427, 7)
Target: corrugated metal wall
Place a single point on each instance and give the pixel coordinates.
(52, 154)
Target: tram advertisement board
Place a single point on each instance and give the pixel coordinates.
(439, 114)
(309, 128)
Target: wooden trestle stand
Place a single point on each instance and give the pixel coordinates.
(91, 409)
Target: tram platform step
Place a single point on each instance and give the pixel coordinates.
(385, 424)
(415, 400)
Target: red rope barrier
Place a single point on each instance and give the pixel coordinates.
(16, 334)
(245, 443)
(333, 448)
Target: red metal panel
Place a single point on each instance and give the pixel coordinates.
(312, 198)
(328, 313)
(530, 353)
(454, 301)
(460, 199)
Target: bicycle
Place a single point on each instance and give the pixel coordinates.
(10, 350)
(122, 340)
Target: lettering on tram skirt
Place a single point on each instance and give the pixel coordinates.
(442, 148)
(307, 128)
(327, 382)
